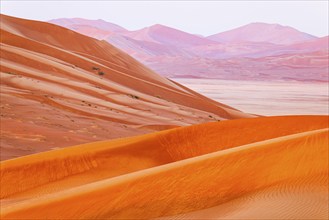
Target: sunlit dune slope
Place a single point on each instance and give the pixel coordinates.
(56, 82)
(298, 198)
(231, 169)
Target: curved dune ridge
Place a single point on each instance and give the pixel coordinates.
(266, 168)
(56, 82)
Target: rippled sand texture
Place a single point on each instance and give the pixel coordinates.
(267, 168)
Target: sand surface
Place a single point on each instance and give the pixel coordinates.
(52, 86)
(267, 168)
(265, 98)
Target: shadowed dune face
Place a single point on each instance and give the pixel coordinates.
(56, 82)
(237, 167)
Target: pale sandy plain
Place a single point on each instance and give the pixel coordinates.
(237, 167)
(265, 97)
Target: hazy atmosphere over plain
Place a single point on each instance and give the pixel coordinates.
(207, 18)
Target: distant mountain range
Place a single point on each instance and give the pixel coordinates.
(257, 51)
(262, 32)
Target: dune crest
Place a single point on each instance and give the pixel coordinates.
(178, 171)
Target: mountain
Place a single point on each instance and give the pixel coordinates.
(262, 32)
(174, 53)
(132, 42)
(56, 82)
(168, 36)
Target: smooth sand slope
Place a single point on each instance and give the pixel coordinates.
(267, 168)
(58, 83)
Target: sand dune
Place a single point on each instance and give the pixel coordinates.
(81, 88)
(299, 198)
(270, 167)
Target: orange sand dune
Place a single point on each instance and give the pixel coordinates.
(299, 198)
(56, 82)
(266, 168)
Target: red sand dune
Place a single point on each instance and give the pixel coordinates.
(56, 82)
(265, 168)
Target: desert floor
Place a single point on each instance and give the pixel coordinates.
(266, 97)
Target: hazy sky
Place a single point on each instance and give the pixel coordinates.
(197, 17)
